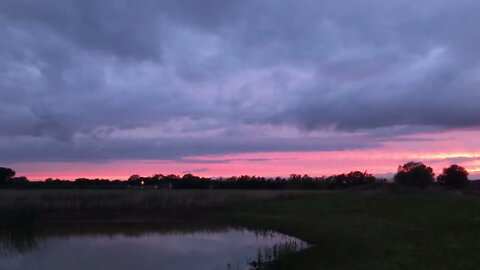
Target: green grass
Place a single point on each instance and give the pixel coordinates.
(388, 231)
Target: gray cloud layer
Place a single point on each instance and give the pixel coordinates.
(197, 77)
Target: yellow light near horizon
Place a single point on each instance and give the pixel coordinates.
(450, 155)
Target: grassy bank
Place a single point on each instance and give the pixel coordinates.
(374, 231)
(347, 230)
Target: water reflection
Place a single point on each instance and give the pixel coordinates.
(139, 248)
(17, 241)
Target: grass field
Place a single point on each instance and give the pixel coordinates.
(375, 231)
(346, 230)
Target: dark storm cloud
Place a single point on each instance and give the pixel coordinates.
(204, 71)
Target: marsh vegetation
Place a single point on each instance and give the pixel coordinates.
(416, 220)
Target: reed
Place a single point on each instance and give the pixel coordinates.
(26, 206)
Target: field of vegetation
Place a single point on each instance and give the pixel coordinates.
(346, 230)
(28, 206)
(388, 231)
(351, 221)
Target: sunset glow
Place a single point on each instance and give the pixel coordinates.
(239, 87)
(153, 134)
(382, 161)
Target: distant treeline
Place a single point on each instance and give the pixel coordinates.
(414, 174)
(189, 181)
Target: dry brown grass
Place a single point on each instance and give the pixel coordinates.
(119, 200)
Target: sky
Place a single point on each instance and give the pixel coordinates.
(111, 88)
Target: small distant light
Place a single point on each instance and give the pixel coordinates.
(142, 183)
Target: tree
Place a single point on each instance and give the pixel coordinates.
(20, 179)
(414, 174)
(134, 177)
(454, 176)
(6, 174)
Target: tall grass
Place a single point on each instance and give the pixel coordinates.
(270, 254)
(26, 205)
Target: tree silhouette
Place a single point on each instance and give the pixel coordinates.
(134, 177)
(415, 174)
(6, 174)
(190, 181)
(454, 176)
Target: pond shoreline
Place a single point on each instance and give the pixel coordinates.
(178, 247)
(423, 226)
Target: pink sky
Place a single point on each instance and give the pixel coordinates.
(440, 150)
(225, 88)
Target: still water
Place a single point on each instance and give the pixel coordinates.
(210, 250)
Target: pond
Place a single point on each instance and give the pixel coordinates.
(222, 249)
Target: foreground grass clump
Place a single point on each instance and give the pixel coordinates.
(374, 231)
